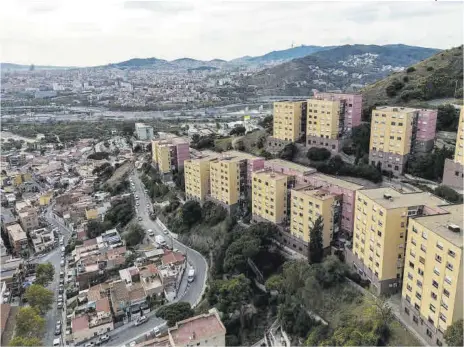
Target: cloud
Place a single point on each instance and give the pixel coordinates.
(97, 32)
(159, 6)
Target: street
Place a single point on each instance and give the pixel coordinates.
(54, 257)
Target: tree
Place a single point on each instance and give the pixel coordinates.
(318, 154)
(430, 166)
(453, 335)
(448, 193)
(25, 341)
(191, 213)
(44, 274)
(239, 131)
(361, 137)
(175, 313)
(39, 297)
(29, 323)
(447, 118)
(288, 152)
(96, 228)
(316, 250)
(134, 236)
(229, 295)
(267, 123)
(275, 282)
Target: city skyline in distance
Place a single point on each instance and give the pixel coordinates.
(98, 33)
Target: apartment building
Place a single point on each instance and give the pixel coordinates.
(433, 282)
(379, 237)
(289, 121)
(231, 176)
(197, 177)
(324, 124)
(453, 174)
(17, 237)
(352, 105)
(305, 175)
(143, 132)
(202, 330)
(270, 196)
(169, 155)
(397, 132)
(308, 203)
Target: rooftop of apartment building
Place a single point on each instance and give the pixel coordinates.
(390, 198)
(267, 174)
(448, 225)
(315, 192)
(197, 328)
(17, 233)
(337, 181)
(304, 170)
(203, 155)
(395, 109)
(236, 156)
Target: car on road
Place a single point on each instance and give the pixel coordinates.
(136, 197)
(103, 339)
(151, 232)
(137, 204)
(60, 305)
(61, 289)
(141, 320)
(140, 219)
(165, 231)
(90, 344)
(62, 263)
(58, 329)
(56, 342)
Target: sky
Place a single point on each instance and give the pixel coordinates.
(97, 32)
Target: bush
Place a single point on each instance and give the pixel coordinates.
(405, 79)
(410, 69)
(318, 154)
(288, 152)
(175, 312)
(348, 150)
(394, 87)
(448, 193)
(430, 68)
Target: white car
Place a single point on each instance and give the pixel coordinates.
(56, 342)
(141, 320)
(151, 232)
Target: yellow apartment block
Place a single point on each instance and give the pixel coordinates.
(459, 151)
(45, 199)
(91, 213)
(269, 196)
(154, 151)
(323, 118)
(164, 158)
(197, 178)
(432, 287)
(379, 236)
(288, 120)
(307, 205)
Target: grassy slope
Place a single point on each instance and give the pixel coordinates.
(437, 83)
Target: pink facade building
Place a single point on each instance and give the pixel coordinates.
(353, 107)
(182, 150)
(425, 130)
(306, 175)
(253, 164)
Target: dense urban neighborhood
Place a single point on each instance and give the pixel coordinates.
(311, 196)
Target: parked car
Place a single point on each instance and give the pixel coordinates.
(61, 289)
(102, 339)
(141, 320)
(90, 344)
(60, 305)
(140, 219)
(56, 342)
(151, 232)
(62, 263)
(58, 329)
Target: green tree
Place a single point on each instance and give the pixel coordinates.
(361, 138)
(275, 282)
(239, 131)
(447, 118)
(29, 323)
(25, 341)
(448, 193)
(175, 312)
(44, 274)
(453, 335)
(318, 154)
(288, 152)
(316, 248)
(267, 123)
(191, 213)
(230, 295)
(39, 297)
(134, 236)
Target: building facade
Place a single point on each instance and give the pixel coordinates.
(17, 238)
(433, 283)
(453, 174)
(197, 178)
(379, 237)
(143, 132)
(289, 120)
(169, 155)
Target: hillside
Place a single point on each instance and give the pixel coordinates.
(18, 67)
(348, 67)
(286, 54)
(439, 76)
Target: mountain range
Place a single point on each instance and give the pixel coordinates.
(348, 67)
(391, 54)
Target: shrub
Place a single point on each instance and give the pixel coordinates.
(348, 150)
(430, 68)
(405, 79)
(318, 154)
(448, 193)
(410, 69)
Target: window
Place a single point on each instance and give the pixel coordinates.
(449, 266)
(446, 293)
(439, 245)
(451, 253)
(419, 284)
(433, 295)
(435, 284)
(410, 276)
(424, 235)
(411, 264)
(418, 295)
(408, 298)
(444, 305)
(409, 288)
(406, 310)
(448, 279)
(415, 319)
(413, 241)
(429, 333)
(437, 258)
(423, 248)
(436, 271)
(432, 308)
(443, 317)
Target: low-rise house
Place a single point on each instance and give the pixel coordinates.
(150, 279)
(42, 239)
(17, 237)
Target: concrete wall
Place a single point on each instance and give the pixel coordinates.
(390, 162)
(331, 144)
(453, 174)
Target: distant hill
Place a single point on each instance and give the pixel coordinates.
(439, 76)
(18, 67)
(283, 55)
(348, 67)
(145, 63)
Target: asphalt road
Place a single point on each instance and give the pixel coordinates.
(54, 257)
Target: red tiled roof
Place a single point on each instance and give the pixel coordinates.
(103, 305)
(81, 235)
(136, 292)
(116, 252)
(90, 242)
(80, 323)
(172, 257)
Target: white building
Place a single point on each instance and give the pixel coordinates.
(143, 132)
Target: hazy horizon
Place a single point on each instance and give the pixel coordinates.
(96, 33)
